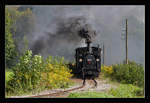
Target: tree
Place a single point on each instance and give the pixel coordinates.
(9, 42)
(18, 26)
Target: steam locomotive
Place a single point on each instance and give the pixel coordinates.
(88, 59)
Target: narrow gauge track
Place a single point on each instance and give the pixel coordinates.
(58, 93)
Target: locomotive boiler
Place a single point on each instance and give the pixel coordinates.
(88, 59)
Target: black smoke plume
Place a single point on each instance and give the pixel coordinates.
(69, 30)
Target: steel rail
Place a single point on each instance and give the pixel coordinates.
(57, 93)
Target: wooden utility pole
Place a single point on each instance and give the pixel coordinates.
(126, 41)
(103, 54)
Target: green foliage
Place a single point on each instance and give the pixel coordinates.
(130, 73)
(10, 53)
(127, 91)
(107, 70)
(25, 43)
(56, 73)
(123, 91)
(18, 24)
(8, 75)
(32, 72)
(90, 95)
(23, 26)
(26, 73)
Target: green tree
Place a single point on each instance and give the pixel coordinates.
(19, 25)
(9, 42)
(23, 27)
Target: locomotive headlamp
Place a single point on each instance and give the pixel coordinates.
(97, 60)
(80, 60)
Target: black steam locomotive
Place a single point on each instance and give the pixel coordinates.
(88, 60)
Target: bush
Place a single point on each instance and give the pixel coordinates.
(131, 73)
(8, 75)
(33, 72)
(57, 73)
(107, 70)
(26, 73)
(127, 91)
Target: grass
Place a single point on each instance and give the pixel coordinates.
(122, 91)
(72, 83)
(118, 90)
(90, 95)
(109, 80)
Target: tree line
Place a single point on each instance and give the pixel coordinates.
(18, 25)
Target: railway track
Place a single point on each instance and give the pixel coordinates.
(57, 93)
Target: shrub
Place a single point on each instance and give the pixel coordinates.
(131, 73)
(57, 73)
(8, 75)
(107, 70)
(26, 73)
(33, 72)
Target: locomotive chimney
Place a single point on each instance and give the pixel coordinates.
(84, 33)
(88, 41)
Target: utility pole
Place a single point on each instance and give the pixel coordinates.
(126, 41)
(125, 37)
(103, 54)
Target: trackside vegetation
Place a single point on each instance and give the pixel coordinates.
(131, 73)
(123, 91)
(33, 72)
